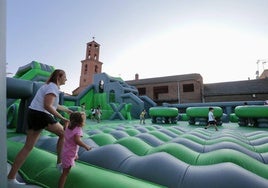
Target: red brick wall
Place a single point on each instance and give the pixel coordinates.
(173, 95)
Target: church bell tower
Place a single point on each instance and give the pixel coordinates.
(89, 66)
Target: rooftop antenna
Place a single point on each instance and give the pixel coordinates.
(258, 72)
(263, 63)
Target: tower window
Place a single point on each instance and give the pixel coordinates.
(96, 69)
(88, 54)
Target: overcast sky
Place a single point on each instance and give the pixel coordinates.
(220, 39)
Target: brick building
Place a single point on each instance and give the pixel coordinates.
(171, 89)
(189, 88)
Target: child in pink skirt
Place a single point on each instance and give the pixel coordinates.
(72, 135)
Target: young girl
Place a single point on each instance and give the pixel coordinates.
(72, 135)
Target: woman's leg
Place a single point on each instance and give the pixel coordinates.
(57, 129)
(32, 137)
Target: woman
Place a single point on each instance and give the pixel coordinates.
(41, 115)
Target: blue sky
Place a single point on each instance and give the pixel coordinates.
(220, 39)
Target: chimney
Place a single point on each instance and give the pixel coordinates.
(136, 76)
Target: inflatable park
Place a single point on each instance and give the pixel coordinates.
(172, 149)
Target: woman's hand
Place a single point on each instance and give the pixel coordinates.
(65, 122)
(64, 109)
(68, 111)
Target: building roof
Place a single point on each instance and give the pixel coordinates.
(264, 74)
(93, 42)
(238, 87)
(166, 79)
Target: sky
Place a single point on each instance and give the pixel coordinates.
(220, 39)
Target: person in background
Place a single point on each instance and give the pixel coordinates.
(101, 86)
(72, 135)
(43, 114)
(98, 113)
(93, 114)
(248, 121)
(83, 107)
(142, 117)
(211, 119)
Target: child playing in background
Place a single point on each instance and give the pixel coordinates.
(93, 113)
(211, 119)
(72, 135)
(142, 117)
(98, 113)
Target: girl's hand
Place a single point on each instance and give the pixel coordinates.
(88, 147)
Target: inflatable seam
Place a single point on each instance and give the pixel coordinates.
(184, 174)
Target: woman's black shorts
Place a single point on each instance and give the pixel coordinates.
(38, 120)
